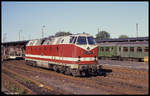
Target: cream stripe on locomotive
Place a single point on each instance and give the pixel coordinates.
(63, 58)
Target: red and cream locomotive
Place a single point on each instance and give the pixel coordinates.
(74, 54)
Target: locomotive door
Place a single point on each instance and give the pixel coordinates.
(61, 47)
(61, 52)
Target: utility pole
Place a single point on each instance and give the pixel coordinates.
(20, 35)
(137, 30)
(98, 30)
(4, 37)
(43, 31)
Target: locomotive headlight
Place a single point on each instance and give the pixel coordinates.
(95, 58)
(79, 58)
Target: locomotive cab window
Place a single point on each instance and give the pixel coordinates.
(91, 40)
(81, 40)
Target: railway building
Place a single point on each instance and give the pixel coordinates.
(13, 50)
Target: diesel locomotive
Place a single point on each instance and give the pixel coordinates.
(75, 55)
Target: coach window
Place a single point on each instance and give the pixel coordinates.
(101, 49)
(125, 49)
(119, 48)
(107, 49)
(139, 49)
(131, 49)
(146, 49)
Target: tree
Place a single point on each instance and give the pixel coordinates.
(123, 36)
(63, 33)
(102, 35)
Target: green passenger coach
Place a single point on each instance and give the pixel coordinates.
(123, 50)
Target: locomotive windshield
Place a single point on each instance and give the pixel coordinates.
(81, 40)
(91, 40)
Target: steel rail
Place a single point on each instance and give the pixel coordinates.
(28, 78)
(90, 82)
(29, 91)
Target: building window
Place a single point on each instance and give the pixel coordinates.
(139, 49)
(107, 49)
(125, 49)
(146, 49)
(131, 49)
(101, 49)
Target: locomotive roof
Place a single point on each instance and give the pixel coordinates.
(54, 40)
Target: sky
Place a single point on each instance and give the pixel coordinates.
(117, 18)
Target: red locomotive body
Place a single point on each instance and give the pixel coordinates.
(74, 54)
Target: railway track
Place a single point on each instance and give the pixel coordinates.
(104, 84)
(9, 80)
(36, 85)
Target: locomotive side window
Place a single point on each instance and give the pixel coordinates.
(139, 49)
(131, 49)
(62, 41)
(71, 39)
(81, 40)
(91, 40)
(146, 49)
(125, 49)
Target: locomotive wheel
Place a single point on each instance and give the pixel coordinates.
(34, 64)
(83, 73)
(67, 71)
(62, 69)
(55, 67)
(75, 73)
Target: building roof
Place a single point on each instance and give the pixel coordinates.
(123, 39)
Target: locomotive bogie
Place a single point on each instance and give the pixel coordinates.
(69, 69)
